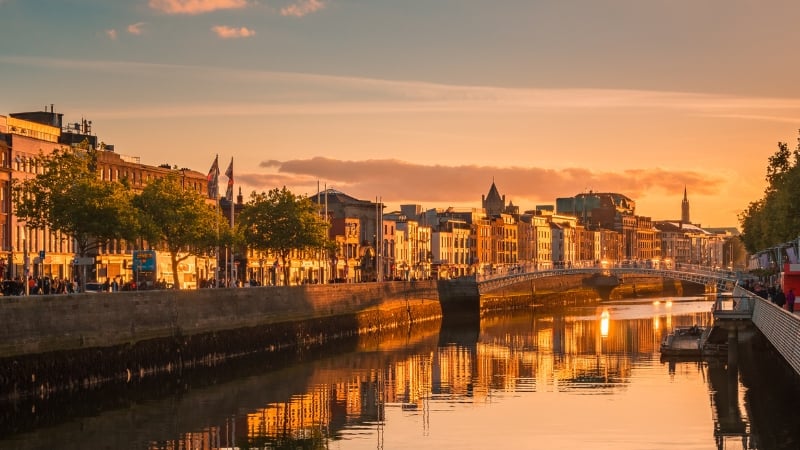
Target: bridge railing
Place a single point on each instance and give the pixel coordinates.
(692, 270)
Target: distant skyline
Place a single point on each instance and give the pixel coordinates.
(428, 101)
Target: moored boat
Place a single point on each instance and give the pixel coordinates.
(685, 341)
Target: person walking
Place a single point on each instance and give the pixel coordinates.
(790, 300)
(780, 298)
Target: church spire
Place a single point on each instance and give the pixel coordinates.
(493, 202)
(685, 207)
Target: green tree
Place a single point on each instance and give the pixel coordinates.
(279, 222)
(67, 196)
(179, 220)
(775, 218)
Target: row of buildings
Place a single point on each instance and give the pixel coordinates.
(587, 229)
(372, 242)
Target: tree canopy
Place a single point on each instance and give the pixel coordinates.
(179, 220)
(775, 218)
(279, 221)
(67, 196)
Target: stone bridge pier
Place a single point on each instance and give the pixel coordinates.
(460, 301)
(603, 284)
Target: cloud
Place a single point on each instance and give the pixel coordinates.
(340, 95)
(302, 8)
(400, 181)
(136, 28)
(195, 6)
(112, 34)
(231, 33)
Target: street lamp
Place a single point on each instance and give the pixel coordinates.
(25, 261)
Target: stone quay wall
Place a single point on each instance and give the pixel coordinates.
(39, 324)
(54, 346)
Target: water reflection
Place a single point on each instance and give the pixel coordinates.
(518, 380)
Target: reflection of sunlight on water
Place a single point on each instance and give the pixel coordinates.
(604, 319)
(667, 304)
(628, 309)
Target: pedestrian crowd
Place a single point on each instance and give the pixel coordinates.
(774, 293)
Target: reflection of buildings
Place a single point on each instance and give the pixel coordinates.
(520, 352)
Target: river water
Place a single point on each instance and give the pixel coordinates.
(586, 377)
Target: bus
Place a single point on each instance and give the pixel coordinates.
(151, 268)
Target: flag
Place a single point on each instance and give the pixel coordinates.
(229, 174)
(213, 179)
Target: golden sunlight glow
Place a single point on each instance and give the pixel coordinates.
(604, 322)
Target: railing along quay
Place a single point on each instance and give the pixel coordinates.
(778, 325)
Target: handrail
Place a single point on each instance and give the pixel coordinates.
(683, 271)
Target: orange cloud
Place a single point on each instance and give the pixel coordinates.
(399, 181)
(112, 34)
(231, 33)
(302, 8)
(195, 6)
(135, 28)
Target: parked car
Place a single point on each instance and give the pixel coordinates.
(94, 287)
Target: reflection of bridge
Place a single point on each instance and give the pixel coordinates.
(722, 280)
(461, 297)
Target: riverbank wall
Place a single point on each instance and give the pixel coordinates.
(72, 342)
(40, 324)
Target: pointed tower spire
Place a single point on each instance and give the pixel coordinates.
(492, 202)
(685, 207)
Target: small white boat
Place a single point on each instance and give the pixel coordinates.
(684, 341)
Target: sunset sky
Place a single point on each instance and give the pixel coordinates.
(428, 101)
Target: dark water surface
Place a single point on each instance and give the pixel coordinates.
(575, 378)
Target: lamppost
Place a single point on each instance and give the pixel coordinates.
(730, 254)
(25, 261)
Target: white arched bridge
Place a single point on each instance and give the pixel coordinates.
(723, 280)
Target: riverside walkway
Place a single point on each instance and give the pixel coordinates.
(778, 325)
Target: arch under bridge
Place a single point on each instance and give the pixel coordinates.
(610, 276)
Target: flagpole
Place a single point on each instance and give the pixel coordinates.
(320, 266)
(213, 192)
(333, 271)
(219, 213)
(233, 267)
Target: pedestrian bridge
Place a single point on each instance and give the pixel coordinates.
(723, 280)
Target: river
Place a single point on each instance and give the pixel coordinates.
(588, 377)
